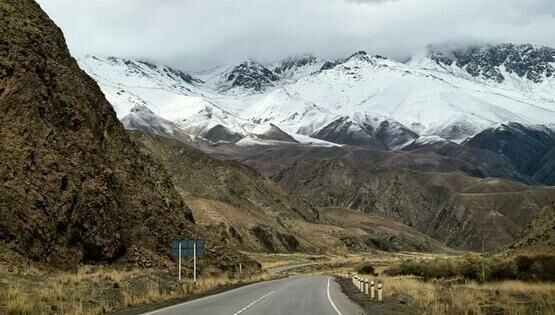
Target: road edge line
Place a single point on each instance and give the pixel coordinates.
(331, 301)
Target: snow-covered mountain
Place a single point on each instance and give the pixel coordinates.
(358, 100)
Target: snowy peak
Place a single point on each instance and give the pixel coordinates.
(358, 100)
(249, 75)
(494, 62)
(359, 56)
(141, 69)
(365, 129)
(297, 67)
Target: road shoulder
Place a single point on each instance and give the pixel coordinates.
(389, 307)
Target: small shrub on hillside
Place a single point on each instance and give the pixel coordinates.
(470, 267)
(540, 267)
(407, 267)
(501, 269)
(367, 269)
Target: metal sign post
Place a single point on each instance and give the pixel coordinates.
(195, 263)
(179, 261)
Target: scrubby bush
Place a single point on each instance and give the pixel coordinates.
(540, 267)
(366, 269)
(470, 267)
(501, 269)
(474, 267)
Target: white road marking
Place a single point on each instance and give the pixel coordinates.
(254, 302)
(331, 301)
(209, 297)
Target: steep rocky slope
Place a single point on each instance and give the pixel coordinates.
(459, 210)
(529, 148)
(73, 186)
(539, 235)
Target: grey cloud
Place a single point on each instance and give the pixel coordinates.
(196, 34)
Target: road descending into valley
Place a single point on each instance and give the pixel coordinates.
(301, 295)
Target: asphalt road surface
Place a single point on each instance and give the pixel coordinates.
(291, 267)
(291, 296)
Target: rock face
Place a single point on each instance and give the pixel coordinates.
(458, 210)
(290, 68)
(526, 61)
(73, 186)
(251, 75)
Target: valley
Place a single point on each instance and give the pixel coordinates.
(433, 175)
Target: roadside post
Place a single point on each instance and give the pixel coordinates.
(366, 286)
(380, 293)
(372, 289)
(361, 285)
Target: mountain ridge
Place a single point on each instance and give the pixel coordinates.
(299, 105)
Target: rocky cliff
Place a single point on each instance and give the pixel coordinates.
(73, 187)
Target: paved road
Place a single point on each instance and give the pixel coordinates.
(291, 296)
(291, 267)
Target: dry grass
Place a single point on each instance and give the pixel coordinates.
(443, 297)
(97, 290)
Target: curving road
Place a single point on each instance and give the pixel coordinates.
(298, 295)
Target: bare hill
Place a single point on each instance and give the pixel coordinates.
(251, 212)
(461, 211)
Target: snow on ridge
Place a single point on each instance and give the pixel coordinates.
(422, 96)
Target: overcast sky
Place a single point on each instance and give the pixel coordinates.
(196, 34)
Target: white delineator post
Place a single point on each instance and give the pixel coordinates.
(361, 285)
(380, 293)
(366, 286)
(372, 289)
(195, 262)
(179, 268)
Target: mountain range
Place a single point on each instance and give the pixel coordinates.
(445, 103)
(361, 152)
(360, 99)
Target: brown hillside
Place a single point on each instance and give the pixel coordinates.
(251, 212)
(539, 236)
(459, 210)
(73, 187)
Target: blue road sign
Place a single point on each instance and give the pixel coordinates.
(187, 248)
